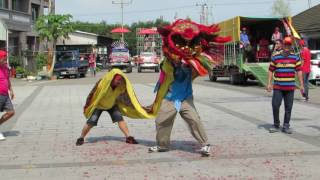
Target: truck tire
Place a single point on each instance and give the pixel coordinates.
(129, 69)
(212, 77)
(156, 69)
(233, 78)
(313, 81)
(237, 79)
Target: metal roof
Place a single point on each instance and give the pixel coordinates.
(308, 21)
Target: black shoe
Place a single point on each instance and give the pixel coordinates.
(286, 130)
(131, 140)
(80, 141)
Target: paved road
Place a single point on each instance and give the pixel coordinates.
(40, 139)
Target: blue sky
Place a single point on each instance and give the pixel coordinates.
(145, 10)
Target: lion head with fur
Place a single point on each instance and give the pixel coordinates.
(191, 43)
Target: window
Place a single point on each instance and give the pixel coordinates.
(3, 4)
(15, 5)
(35, 11)
(45, 11)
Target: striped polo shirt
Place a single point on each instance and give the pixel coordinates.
(284, 69)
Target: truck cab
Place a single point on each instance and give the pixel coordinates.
(68, 64)
(120, 58)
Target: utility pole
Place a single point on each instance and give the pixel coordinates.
(203, 13)
(206, 14)
(121, 5)
(309, 3)
(211, 14)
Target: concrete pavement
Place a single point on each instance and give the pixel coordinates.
(41, 139)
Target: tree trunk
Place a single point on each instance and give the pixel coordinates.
(52, 59)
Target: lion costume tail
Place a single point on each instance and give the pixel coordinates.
(128, 104)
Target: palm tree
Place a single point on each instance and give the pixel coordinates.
(50, 28)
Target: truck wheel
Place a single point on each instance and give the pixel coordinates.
(78, 75)
(313, 82)
(238, 79)
(242, 79)
(234, 79)
(212, 77)
(129, 69)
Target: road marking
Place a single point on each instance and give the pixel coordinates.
(21, 108)
(156, 160)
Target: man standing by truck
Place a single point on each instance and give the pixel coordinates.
(283, 67)
(245, 45)
(277, 35)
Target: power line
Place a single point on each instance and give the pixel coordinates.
(138, 11)
(121, 5)
(309, 3)
(203, 13)
(243, 3)
(175, 8)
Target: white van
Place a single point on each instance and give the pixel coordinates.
(315, 67)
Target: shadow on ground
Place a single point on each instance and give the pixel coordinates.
(11, 133)
(187, 146)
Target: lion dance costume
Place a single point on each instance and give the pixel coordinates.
(183, 41)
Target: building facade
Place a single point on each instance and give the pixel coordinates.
(20, 16)
(84, 42)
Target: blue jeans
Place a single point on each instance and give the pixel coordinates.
(306, 84)
(277, 97)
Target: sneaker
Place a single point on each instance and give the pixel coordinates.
(274, 129)
(157, 149)
(205, 150)
(287, 130)
(2, 138)
(131, 140)
(80, 141)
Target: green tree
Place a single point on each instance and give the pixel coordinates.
(281, 8)
(103, 28)
(50, 28)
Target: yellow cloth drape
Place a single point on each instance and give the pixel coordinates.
(105, 98)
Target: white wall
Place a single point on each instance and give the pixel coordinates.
(78, 39)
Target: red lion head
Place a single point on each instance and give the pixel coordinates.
(189, 41)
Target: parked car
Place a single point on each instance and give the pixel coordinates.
(148, 60)
(315, 67)
(68, 63)
(120, 58)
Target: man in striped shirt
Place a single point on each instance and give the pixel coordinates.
(284, 65)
